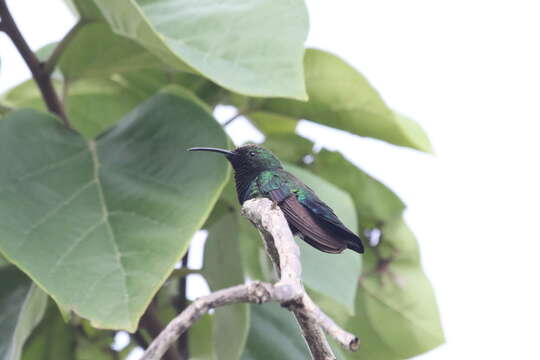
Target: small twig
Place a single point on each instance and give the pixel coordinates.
(236, 116)
(52, 61)
(288, 291)
(41, 77)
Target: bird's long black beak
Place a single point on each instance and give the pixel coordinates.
(222, 151)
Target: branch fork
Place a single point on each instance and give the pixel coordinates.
(288, 291)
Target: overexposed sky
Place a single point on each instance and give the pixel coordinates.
(468, 72)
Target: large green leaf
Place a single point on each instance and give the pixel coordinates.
(254, 48)
(92, 105)
(334, 276)
(223, 268)
(340, 97)
(100, 224)
(375, 203)
(397, 315)
(97, 51)
(274, 335)
(22, 306)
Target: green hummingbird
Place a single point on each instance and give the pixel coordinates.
(259, 173)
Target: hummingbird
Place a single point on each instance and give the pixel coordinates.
(258, 173)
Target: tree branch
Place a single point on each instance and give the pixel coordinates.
(41, 77)
(285, 255)
(151, 323)
(288, 291)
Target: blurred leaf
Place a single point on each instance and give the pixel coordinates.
(97, 51)
(53, 339)
(3, 261)
(274, 335)
(22, 305)
(334, 276)
(340, 97)
(93, 105)
(86, 10)
(165, 301)
(397, 315)
(149, 81)
(375, 203)
(100, 224)
(200, 339)
(26, 94)
(98, 348)
(255, 261)
(254, 49)
(289, 147)
(223, 268)
(271, 123)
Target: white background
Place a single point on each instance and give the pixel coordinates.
(468, 72)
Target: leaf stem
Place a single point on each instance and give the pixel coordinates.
(41, 77)
(183, 340)
(52, 61)
(236, 116)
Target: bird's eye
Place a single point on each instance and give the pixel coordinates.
(252, 153)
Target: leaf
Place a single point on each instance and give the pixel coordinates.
(289, 147)
(222, 269)
(3, 261)
(255, 261)
(93, 105)
(96, 51)
(22, 306)
(107, 99)
(86, 10)
(274, 335)
(397, 315)
(340, 97)
(200, 339)
(100, 224)
(339, 279)
(253, 48)
(52, 339)
(374, 202)
(271, 123)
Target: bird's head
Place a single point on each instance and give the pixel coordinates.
(248, 158)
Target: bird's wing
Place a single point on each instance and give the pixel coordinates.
(326, 217)
(300, 219)
(329, 228)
